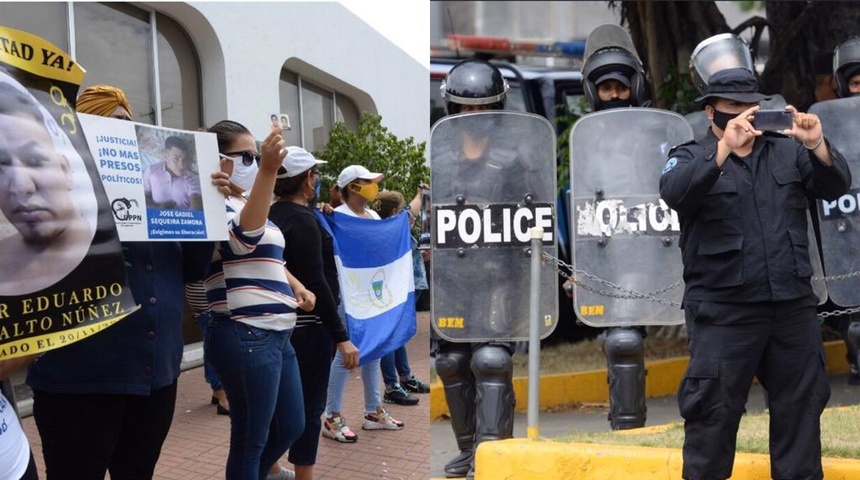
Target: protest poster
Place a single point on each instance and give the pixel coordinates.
(157, 180)
(63, 276)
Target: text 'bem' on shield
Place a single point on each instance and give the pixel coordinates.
(499, 225)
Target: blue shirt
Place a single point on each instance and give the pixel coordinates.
(143, 351)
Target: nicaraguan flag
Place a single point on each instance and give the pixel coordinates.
(374, 265)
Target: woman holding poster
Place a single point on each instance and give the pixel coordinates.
(253, 309)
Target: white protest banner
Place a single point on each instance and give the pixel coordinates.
(157, 180)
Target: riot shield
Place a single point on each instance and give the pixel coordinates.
(839, 222)
(625, 237)
(492, 176)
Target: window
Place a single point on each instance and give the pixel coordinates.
(114, 43)
(313, 110)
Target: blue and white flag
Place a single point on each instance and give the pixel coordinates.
(374, 266)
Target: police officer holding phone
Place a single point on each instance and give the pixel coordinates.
(741, 194)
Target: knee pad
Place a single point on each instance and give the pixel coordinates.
(625, 362)
(493, 369)
(453, 367)
(492, 362)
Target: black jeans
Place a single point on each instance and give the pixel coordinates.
(85, 435)
(778, 342)
(313, 346)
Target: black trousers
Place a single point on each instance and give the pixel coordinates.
(778, 342)
(85, 435)
(313, 346)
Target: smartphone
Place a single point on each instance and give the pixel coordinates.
(773, 120)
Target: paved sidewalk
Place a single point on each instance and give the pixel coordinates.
(197, 445)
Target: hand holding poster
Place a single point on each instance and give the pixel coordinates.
(157, 180)
(63, 277)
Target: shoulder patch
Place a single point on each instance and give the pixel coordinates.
(670, 164)
(672, 150)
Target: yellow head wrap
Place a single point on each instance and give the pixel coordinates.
(102, 100)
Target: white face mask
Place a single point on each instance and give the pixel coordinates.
(243, 176)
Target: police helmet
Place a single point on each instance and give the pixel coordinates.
(846, 64)
(474, 82)
(609, 49)
(716, 53)
(614, 60)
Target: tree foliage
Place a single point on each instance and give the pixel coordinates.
(374, 147)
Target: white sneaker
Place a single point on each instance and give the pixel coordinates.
(381, 421)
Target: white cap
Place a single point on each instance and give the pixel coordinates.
(353, 172)
(298, 160)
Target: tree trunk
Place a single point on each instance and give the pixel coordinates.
(665, 34)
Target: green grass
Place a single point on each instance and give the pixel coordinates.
(840, 434)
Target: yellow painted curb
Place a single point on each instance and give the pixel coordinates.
(663, 379)
(544, 460)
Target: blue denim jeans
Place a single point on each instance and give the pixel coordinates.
(339, 375)
(260, 375)
(313, 346)
(208, 372)
(394, 364)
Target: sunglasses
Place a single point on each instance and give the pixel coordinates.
(247, 157)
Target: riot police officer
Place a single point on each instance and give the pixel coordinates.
(613, 77)
(477, 377)
(846, 67)
(846, 73)
(749, 304)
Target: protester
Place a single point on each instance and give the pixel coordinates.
(748, 299)
(396, 363)
(252, 301)
(106, 403)
(357, 186)
(195, 297)
(16, 457)
(310, 255)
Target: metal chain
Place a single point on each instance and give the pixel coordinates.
(571, 272)
(834, 278)
(558, 265)
(839, 313)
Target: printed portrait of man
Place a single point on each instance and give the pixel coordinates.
(45, 193)
(171, 184)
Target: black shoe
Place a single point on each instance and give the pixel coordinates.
(399, 396)
(460, 465)
(415, 386)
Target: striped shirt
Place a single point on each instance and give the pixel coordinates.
(247, 279)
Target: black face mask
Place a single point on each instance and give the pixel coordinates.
(855, 94)
(721, 119)
(615, 103)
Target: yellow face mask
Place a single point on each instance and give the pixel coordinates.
(368, 191)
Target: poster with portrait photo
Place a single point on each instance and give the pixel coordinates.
(63, 269)
(158, 180)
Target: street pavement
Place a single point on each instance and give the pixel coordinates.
(593, 418)
(197, 445)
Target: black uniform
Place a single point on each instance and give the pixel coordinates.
(749, 304)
